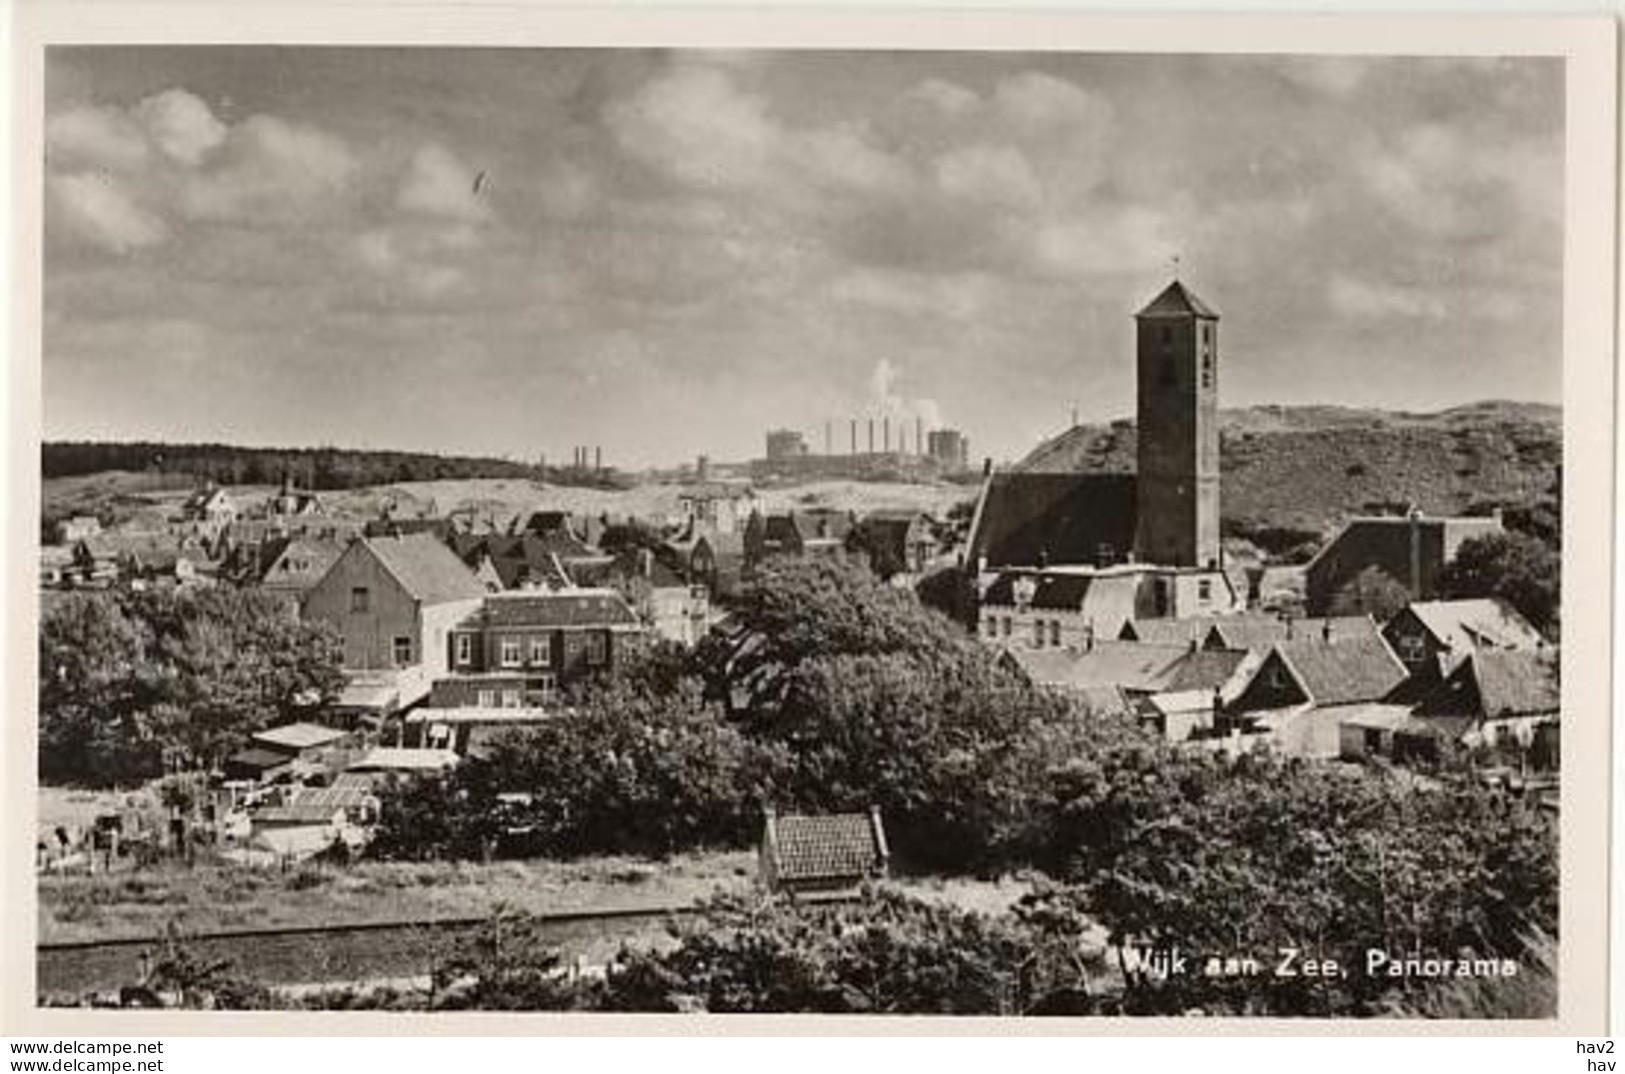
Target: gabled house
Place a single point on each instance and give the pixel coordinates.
(212, 506)
(394, 601)
(1303, 689)
(1068, 605)
(816, 532)
(293, 565)
(516, 649)
(1411, 550)
(828, 854)
(1497, 695)
(902, 542)
(1431, 636)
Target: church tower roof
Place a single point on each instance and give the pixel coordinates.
(1177, 301)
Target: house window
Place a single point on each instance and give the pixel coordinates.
(360, 599)
(511, 699)
(1277, 677)
(597, 645)
(992, 626)
(541, 653)
(1007, 626)
(1411, 649)
(487, 699)
(1055, 632)
(465, 648)
(1207, 365)
(403, 650)
(1204, 589)
(542, 689)
(510, 652)
(1038, 633)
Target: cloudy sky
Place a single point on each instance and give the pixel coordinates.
(518, 251)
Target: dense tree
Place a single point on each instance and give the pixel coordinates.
(626, 770)
(884, 954)
(1372, 592)
(133, 683)
(1518, 568)
(1171, 849)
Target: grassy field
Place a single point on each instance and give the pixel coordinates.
(221, 896)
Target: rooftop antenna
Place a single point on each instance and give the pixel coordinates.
(1176, 266)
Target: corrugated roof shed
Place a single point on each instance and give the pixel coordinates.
(298, 736)
(426, 567)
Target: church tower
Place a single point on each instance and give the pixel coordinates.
(1177, 488)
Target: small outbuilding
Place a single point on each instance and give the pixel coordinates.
(828, 854)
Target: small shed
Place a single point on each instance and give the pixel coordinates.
(828, 853)
(258, 764)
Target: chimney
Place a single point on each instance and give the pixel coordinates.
(919, 435)
(885, 432)
(1416, 554)
(598, 459)
(871, 436)
(827, 448)
(854, 436)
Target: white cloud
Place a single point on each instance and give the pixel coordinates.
(692, 123)
(1334, 76)
(100, 137)
(97, 209)
(438, 184)
(1111, 240)
(1035, 103)
(1364, 300)
(270, 169)
(913, 294)
(182, 125)
(988, 174)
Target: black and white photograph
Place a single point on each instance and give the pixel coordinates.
(861, 532)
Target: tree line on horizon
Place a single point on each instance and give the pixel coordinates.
(317, 468)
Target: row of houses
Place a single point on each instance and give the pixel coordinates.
(1471, 672)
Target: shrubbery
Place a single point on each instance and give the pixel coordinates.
(133, 682)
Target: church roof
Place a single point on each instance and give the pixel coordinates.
(1026, 519)
(1177, 300)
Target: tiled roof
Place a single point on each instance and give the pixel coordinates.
(1471, 624)
(428, 569)
(1259, 632)
(1166, 631)
(1357, 669)
(1124, 664)
(1516, 683)
(1205, 669)
(833, 847)
(1176, 299)
(567, 608)
(1027, 519)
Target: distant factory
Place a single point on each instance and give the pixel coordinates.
(885, 447)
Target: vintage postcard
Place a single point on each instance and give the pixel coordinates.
(1084, 522)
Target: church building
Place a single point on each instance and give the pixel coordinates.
(1162, 521)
